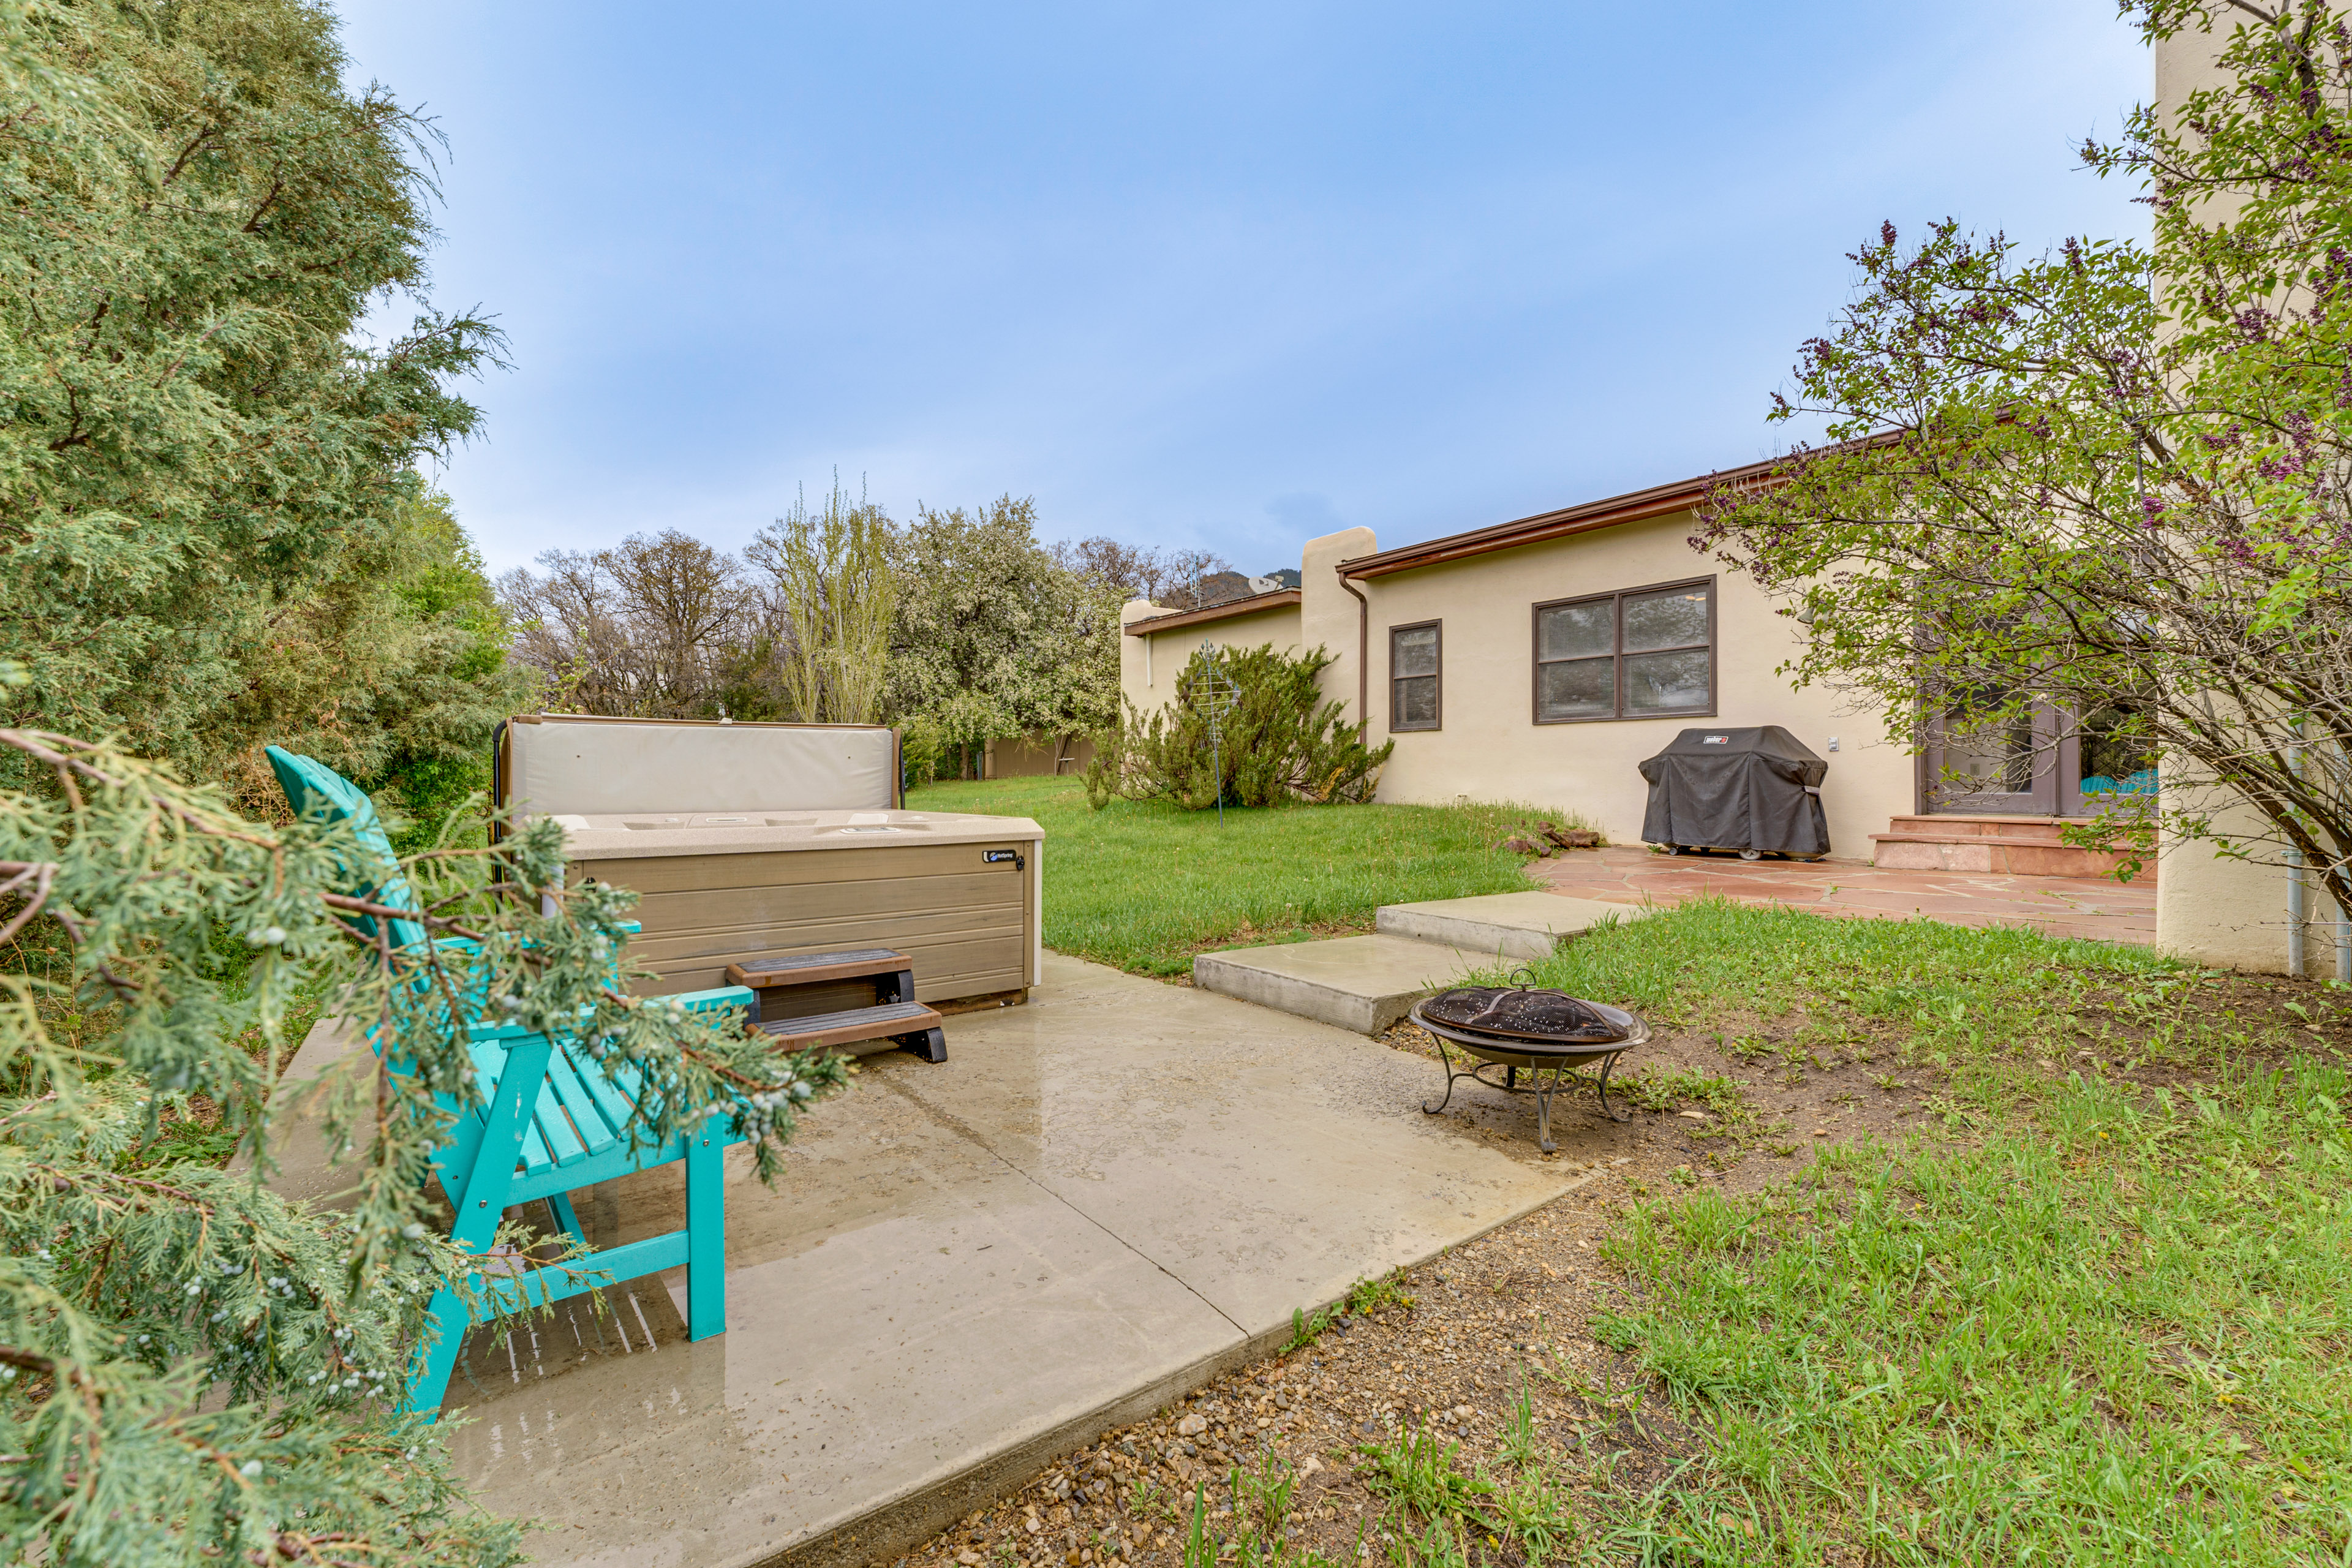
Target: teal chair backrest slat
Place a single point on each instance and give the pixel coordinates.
(316, 790)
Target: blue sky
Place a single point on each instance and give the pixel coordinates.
(1214, 275)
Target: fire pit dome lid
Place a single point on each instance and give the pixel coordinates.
(1526, 1013)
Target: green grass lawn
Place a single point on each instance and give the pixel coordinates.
(1145, 886)
(2111, 1333)
(2095, 1315)
(2095, 1312)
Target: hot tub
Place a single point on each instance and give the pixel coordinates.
(743, 840)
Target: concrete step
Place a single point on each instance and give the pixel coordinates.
(1359, 983)
(1511, 925)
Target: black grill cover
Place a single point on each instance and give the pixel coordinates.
(1738, 789)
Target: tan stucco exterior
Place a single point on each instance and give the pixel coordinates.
(2215, 910)
(1490, 748)
(2212, 909)
(1328, 615)
(1150, 664)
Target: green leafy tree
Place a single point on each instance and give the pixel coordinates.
(395, 672)
(193, 1369)
(993, 636)
(1252, 729)
(440, 753)
(2111, 480)
(208, 501)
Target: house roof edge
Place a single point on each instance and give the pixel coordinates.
(1280, 598)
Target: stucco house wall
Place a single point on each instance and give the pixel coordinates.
(1491, 747)
(1151, 661)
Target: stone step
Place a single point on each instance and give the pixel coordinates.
(2007, 854)
(1511, 925)
(1359, 983)
(2039, 829)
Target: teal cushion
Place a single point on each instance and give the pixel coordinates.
(316, 791)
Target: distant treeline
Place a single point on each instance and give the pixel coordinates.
(958, 626)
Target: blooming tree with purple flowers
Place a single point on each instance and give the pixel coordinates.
(2109, 480)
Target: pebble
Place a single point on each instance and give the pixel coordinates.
(1192, 1425)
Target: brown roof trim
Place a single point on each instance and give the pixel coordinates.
(1635, 507)
(1280, 599)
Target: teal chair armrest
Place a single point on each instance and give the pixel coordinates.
(713, 1000)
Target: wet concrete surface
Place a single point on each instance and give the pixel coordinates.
(1362, 983)
(1101, 1199)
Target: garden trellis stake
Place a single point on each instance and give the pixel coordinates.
(1213, 696)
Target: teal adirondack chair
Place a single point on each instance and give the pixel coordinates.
(548, 1123)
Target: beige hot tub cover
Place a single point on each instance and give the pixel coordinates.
(565, 763)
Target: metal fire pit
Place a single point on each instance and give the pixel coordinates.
(1520, 1029)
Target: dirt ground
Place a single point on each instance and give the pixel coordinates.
(1506, 1315)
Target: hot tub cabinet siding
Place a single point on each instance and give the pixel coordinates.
(969, 924)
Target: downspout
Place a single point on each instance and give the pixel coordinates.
(1363, 650)
(2343, 915)
(2295, 954)
(2295, 888)
(2343, 947)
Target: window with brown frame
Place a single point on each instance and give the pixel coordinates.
(1643, 653)
(1416, 655)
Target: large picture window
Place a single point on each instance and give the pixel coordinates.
(1415, 657)
(1644, 653)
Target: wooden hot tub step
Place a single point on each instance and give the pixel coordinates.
(781, 968)
(912, 1025)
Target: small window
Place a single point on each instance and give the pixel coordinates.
(1413, 661)
(1646, 653)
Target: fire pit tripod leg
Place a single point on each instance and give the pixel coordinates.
(1608, 1066)
(1446, 1058)
(1543, 1107)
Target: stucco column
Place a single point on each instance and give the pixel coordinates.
(2211, 910)
(1327, 613)
(2231, 913)
(1139, 682)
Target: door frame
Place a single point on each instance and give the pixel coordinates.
(2056, 753)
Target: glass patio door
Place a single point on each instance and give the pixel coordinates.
(2009, 769)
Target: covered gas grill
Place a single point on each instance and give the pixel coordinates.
(1520, 1029)
(1758, 791)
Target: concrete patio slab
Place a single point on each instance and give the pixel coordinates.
(1358, 982)
(1100, 1200)
(1512, 925)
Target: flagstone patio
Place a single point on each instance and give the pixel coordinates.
(2093, 907)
